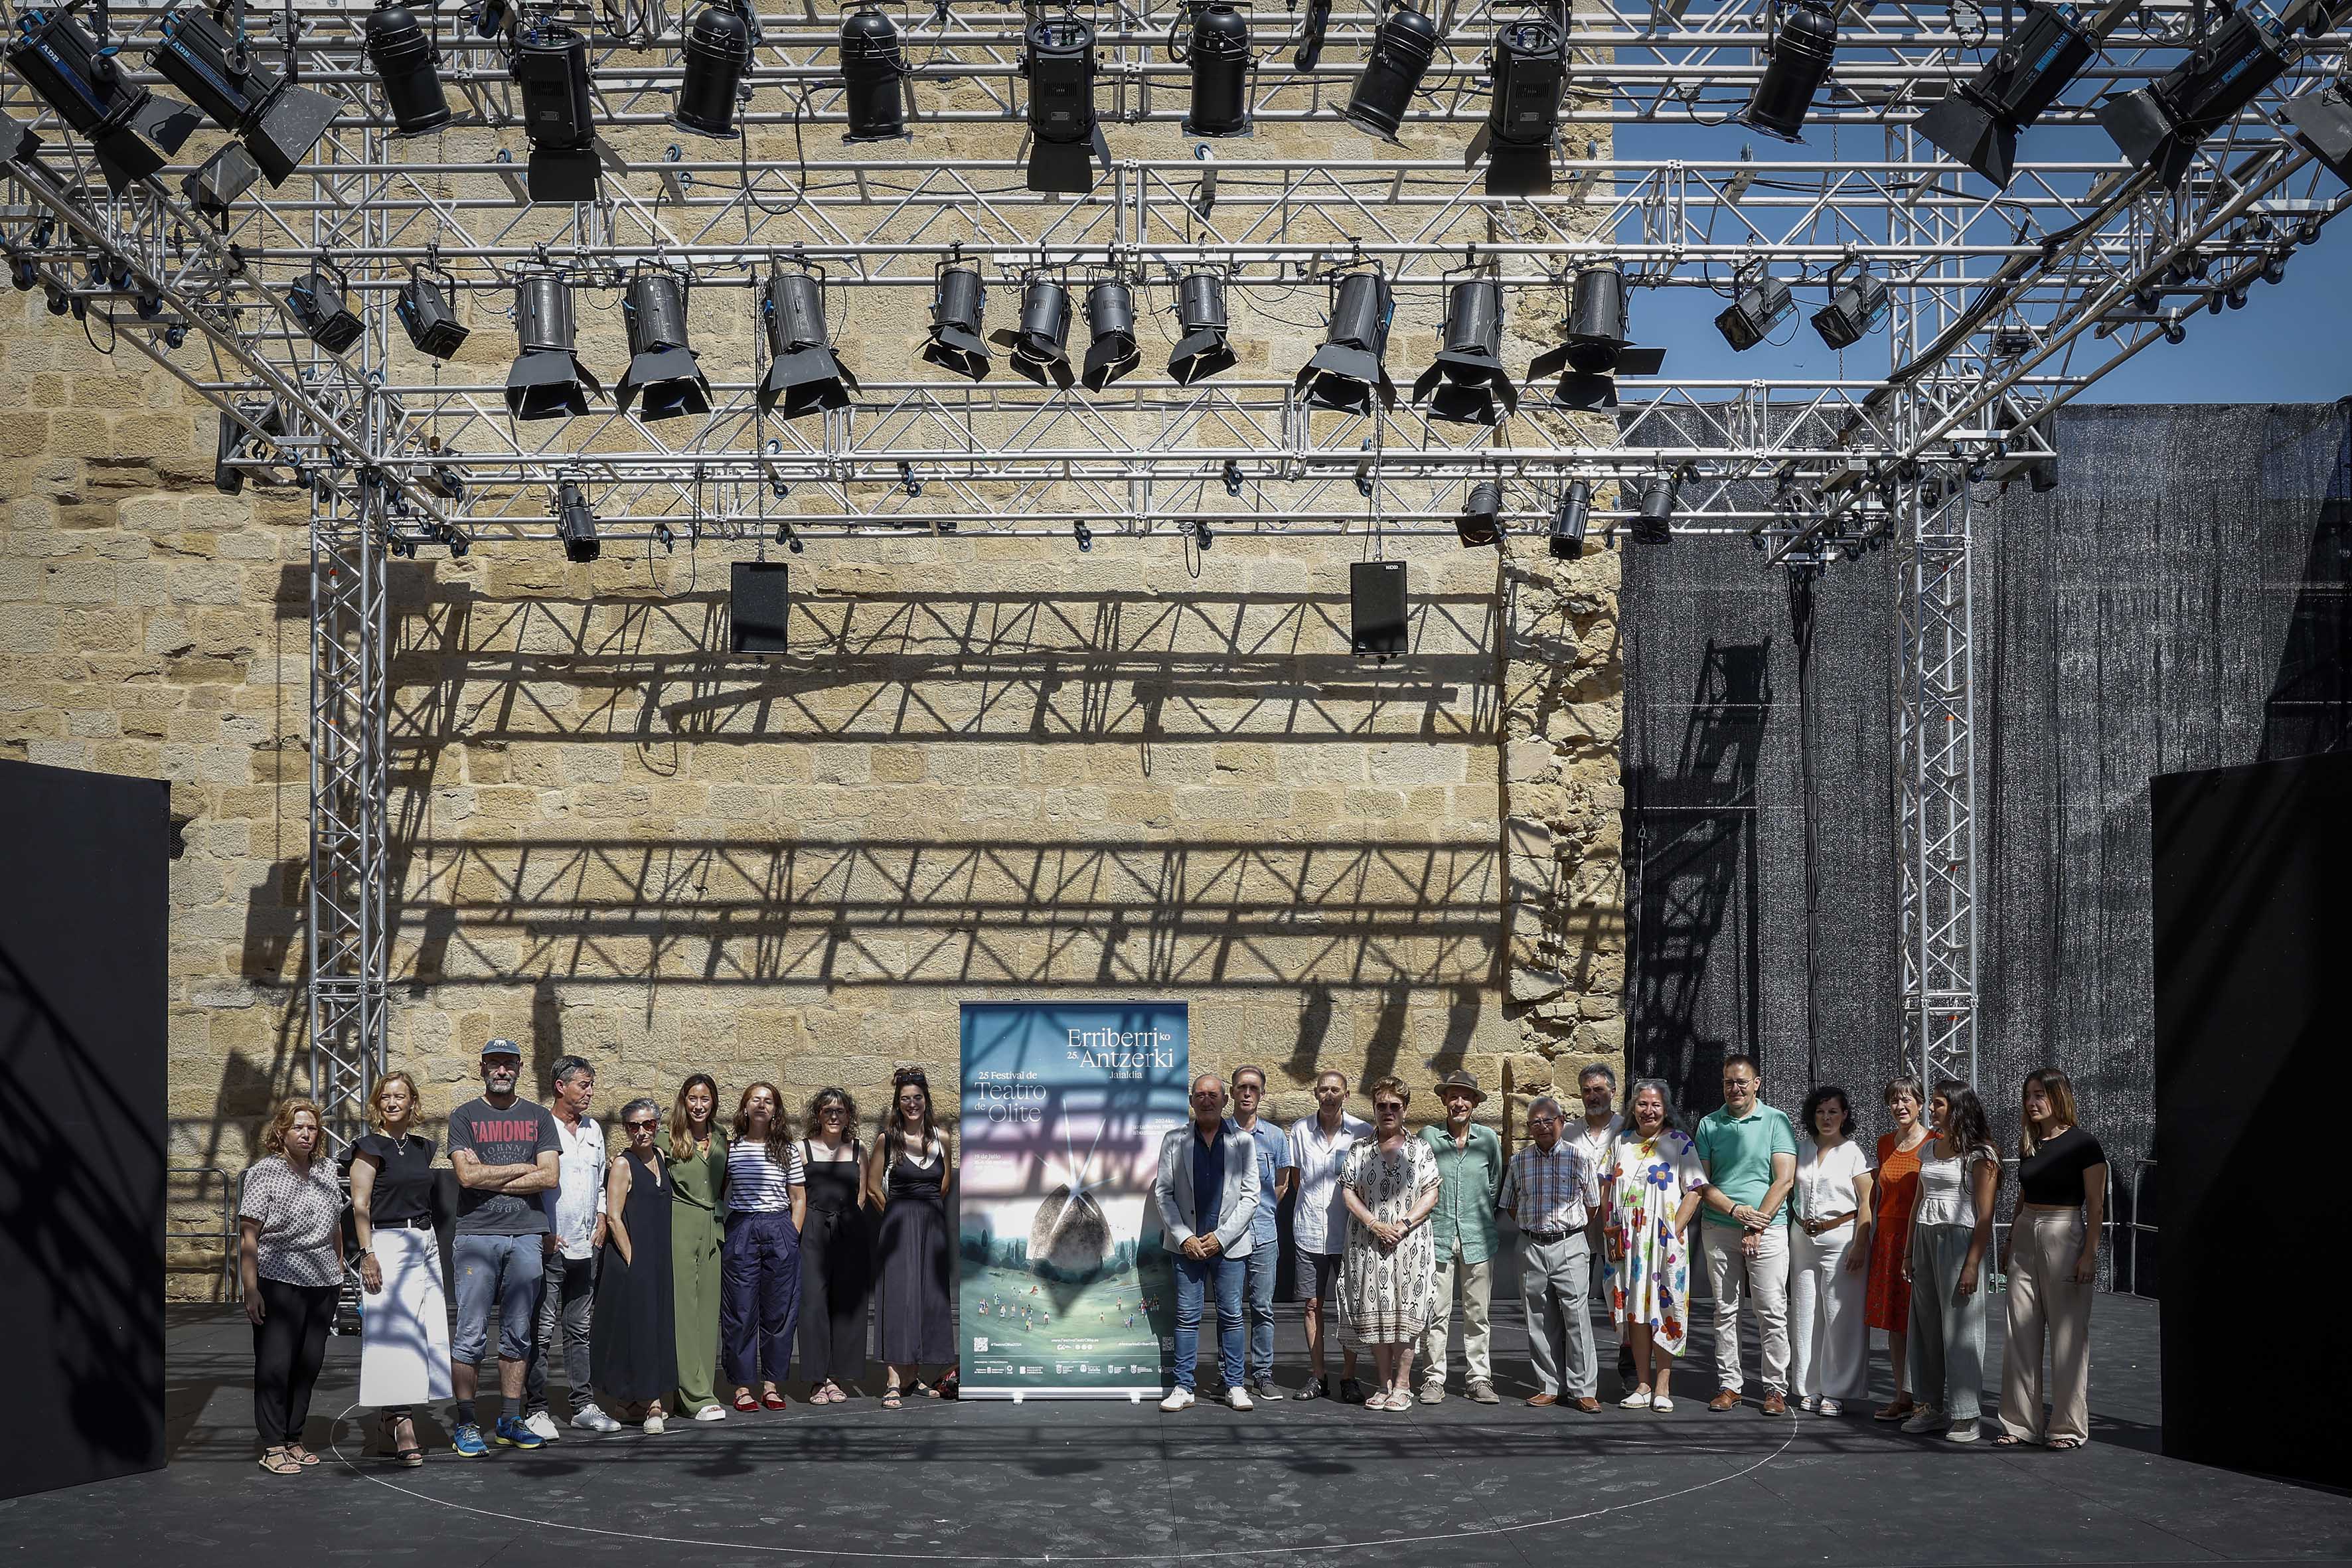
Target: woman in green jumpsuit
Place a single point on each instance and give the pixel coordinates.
(697, 1152)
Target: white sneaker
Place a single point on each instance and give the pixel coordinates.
(1178, 1399)
(1829, 1408)
(1962, 1432)
(1637, 1400)
(588, 1418)
(711, 1412)
(1238, 1399)
(654, 1426)
(1926, 1418)
(541, 1425)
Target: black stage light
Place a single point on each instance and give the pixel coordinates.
(548, 381)
(1233, 478)
(213, 186)
(1979, 122)
(426, 306)
(959, 306)
(1802, 48)
(1569, 522)
(1039, 344)
(278, 121)
(1066, 140)
(1529, 68)
(1204, 349)
(661, 366)
(873, 70)
(1082, 533)
(550, 69)
(1759, 303)
(1111, 321)
(575, 525)
(1656, 510)
(805, 375)
(1402, 47)
(79, 78)
(238, 441)
(1467, 379)
(1594, 350)
(1857, 303)
(1347, 371)
(1481, 520)
(2322, 119)
(407, 66)
(791, 540)
(2160, 126)
(1219, 53)
(718, 51)
(454, 539)
(317, 298)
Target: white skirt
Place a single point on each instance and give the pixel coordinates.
(405, 1327)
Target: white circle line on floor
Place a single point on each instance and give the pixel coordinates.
(1187, 1555)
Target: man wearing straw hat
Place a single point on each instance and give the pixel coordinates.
(1469, 1174)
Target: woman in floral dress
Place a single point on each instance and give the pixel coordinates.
(1650, 1183)
(1388, 1284)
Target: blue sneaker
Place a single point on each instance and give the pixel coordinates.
(467, 1441)
(511, 1433)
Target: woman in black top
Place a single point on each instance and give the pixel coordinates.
(633, 1334)
(908, 1177)
(404, 1317)
(836, 1249)
(2054, 1267)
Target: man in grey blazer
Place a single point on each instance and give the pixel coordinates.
(1207, 1194)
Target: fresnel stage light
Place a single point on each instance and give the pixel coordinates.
(1466, 381)
(78, 76)
(1979, 122)
(805, 375)
(663, 369)
(214, 65)
(1347, 372)
(959, 306)
(1204, 349)
(547, 380)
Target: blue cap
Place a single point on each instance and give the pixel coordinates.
(503, 1048)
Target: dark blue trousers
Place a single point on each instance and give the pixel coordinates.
(760, 1298)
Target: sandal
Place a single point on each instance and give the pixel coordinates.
(279, 1462)
(411, 1455)
(925, 1389)
(2065, 1444)
(743, 1400)
(890, 1400)
(2006, 1441)
(301, 1456)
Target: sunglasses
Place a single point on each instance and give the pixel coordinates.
(1396, 1105)
(643, 1126)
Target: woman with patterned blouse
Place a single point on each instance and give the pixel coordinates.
(290, 1262)
(1389, 1283)
(1650, 1188)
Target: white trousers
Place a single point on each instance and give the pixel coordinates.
(1736, 1280)
(1829, 1342)
(405, 1327)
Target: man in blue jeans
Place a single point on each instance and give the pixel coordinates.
(1266, 1247)
(506, 1152)
(1207, 1194)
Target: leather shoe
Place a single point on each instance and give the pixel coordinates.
(1586, 1404)
(1774, 1405)
(1728, 1400)
(1543, 1399)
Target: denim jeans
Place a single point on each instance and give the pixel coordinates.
(1259, 1268)
(1193, 1276)
(567, 1309)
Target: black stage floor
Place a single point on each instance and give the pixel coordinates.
(1287, 1486)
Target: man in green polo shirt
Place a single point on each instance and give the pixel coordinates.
(1750, 1150)
(1469, 1174)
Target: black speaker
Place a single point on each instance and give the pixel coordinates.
(1376, 608)
(759, 598)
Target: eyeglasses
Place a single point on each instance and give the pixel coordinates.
(1395, 1105)
(642, 1126)
(1543, 1121)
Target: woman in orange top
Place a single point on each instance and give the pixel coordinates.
(1886, 1304)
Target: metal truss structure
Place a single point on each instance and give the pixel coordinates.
(2004, 305)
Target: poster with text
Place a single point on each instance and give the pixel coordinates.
(1065, 1288)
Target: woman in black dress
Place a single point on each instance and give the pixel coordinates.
(633, 1340)
(836, 1249)
(908, 1177)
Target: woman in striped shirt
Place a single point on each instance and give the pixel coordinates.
(767, 1200)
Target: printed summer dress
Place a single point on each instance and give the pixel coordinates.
(1386, 1298)
(1642, 1185)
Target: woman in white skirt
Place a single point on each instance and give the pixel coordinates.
(1828, 1255)
(404, 1319)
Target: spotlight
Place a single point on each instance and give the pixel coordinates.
(550, 69)
(661, 365)
(278, 121)
(1402, 47)
(1082, 533)
(1657, 508)
(2160, 126)
(1219, 53)
(1594, 351)
(213, 186)
(1346, 372)
(1979, 122)
(1204, 349)
(1480, 523)
(575, 525)
(805, 375)
(245, 441)
(2322, 119)
(1760, 302)
(1233, 478)
(1857, 301)
(717, 49)
(1798, 59)
(959, 305)
(873, 70)
(1066, 139)
(1529, 68)
(1040, 343)
(1569, 521)
(317, 299)
(1466, 378)
(548, 381)
(407, 64)
(1110, 318)
(78, 76)
(428, 312)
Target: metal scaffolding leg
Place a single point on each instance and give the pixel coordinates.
(1936, 758)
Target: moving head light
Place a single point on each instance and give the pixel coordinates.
(278, 121)
(1979, 123)
(77, 76)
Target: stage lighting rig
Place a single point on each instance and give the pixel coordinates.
(1979, 122)
(958, 307)
(1204, 349)
(1655, 512)
(1481, 519)
(213, 186)
(1111, 350)
(1594, 350)
(1402, 47)
(1529, 70)
(1348, 371)
(874, 73)
(558, 116)
(318, 300)
(2160, 126)
(663, 368)
(2322, 119)
(1066, 138)
(1858, 301)
(1219, 55)
(717, 53)
(1760, 302)
(426, 306)
(78, 76)
(1570, 520)
(575, 525)
(407, 64)
(805, 375)
(1796, 63)
(278, 121)
(1466, 384)
(250, 440)
(548, 381)
(1039, 344)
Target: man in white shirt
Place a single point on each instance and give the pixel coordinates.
(1597, 1087)
(1318, 1225)
(575, 1219)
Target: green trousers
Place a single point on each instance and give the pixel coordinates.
(694, 1242)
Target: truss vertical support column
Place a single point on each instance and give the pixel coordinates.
(1937, 759)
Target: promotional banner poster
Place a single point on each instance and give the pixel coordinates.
(1066, 1288)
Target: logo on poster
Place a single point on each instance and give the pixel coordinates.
(1123, 1055)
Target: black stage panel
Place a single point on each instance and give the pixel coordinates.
(82, 915)
(2251, 869)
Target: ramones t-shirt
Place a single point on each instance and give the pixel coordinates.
(517, 1135)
